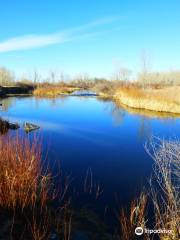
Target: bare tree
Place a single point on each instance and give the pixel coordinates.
(121, 73)
(6, 77)
(36, 76)
(53, 76)
(144, 76)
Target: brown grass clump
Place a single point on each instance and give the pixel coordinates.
(129, 220)
(52, 91)
(162, 100)
(106, 88)
(27, 194)
(21, 181)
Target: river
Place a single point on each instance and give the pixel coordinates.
(94, 142)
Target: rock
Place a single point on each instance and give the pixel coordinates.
(14, 126)
(5, 126)
(28, 127)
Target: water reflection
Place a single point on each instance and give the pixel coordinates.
(148, 113)
(145, 128)
(117, 113)
(85, 132)
(7, 103)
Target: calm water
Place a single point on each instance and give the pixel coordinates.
(87, 133)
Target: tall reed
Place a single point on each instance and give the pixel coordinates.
(27, 193)
(166, 197)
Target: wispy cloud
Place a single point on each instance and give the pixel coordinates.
(30, 41)
(35, 41)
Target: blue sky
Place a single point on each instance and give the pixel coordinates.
(88, 36)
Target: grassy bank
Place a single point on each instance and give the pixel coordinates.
(149, 95)
(148, 90)
(166, 99)
(163, 99)
(53, 91)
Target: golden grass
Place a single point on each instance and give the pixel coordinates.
(161, 100)
(148, 113)
(53, 91)
(129, 220)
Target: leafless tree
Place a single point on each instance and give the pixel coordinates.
(121, 73)
(144, 76)
(6, 77)
(36, 76)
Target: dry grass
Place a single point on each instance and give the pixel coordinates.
(166, 199)
(129, 220)
(20, 172)
(52, 91)
(161, 100)
(106, 88)
(27, 194)
(165, 195)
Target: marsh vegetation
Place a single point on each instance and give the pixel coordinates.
(34, 206)
(27, 194)
(155, 91)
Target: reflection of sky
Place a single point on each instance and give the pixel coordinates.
(86, 132)
(98, 122)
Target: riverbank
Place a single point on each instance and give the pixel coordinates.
(164, 99)
(16, 90)
(160, 100)
(53, 91)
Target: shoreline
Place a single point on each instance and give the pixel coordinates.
(151, 100)
(16, 90)
(160, 101)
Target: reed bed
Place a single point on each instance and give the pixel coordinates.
(20, 173)
(166, 155)
(135, 216)
(52, 91)
(161, 100)
(164, 194)
(27, 194)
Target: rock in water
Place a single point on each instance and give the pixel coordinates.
(28, 127)
(14, 126)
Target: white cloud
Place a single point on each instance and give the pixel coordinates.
(35, 41)
(30, 41)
